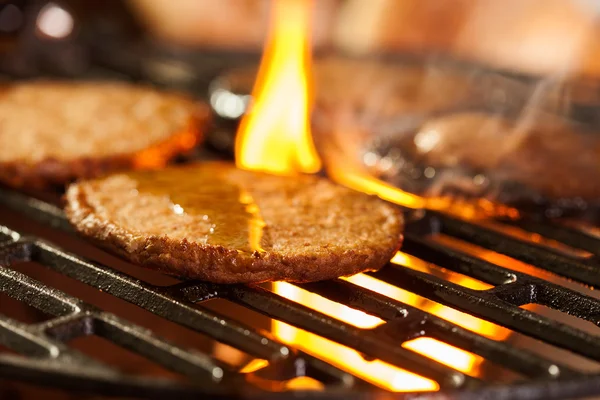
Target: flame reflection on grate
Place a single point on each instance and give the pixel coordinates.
(377, 372)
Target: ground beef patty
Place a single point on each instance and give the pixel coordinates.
(54, 132)
(474, 135)
(217, 223)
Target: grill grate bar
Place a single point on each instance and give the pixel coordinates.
(15, 336)
(569, 236)
(184, 361)
(364, 341)
(457, 261)
(82, 319)
(489, 307)
(36, 209)
(406, 318)
(159, 301)
(8, 235)
(581, 270)
(66, 374)
(31, 292)
(512, 289)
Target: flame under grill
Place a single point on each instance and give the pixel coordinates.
(45, 358)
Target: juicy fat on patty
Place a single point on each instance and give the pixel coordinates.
(217, 223)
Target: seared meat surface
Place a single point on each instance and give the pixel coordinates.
(217, 223)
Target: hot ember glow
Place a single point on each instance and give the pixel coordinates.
(275, 137)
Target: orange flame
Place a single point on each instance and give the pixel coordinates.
(275, 137)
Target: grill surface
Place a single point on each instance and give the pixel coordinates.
(45, 356)
(49, 360)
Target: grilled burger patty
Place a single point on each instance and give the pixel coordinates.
(549, 156)
(217, 223)
(470, 135)
(54, 132)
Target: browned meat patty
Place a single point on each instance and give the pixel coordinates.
(546, 162)
(549, 156)
(217, 223)
(54, 132)
(461, 134)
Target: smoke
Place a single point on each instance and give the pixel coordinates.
(485, 112)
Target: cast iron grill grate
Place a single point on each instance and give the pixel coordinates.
(45, 357)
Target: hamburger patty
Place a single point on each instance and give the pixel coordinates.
(54, 132)
(472, 135)
(548, 164)
(217, 223)
(550, 157)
